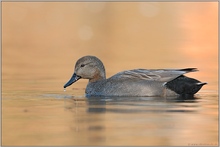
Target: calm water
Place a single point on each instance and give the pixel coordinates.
(63, 119)
(42, 41)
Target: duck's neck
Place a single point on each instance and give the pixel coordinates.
(99, 75)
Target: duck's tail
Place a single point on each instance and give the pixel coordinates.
(201, 84)
(185, 85)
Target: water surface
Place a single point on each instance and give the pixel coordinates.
(61, 119)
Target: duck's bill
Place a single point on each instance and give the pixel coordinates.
(73, 79)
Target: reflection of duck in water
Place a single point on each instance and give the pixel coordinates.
(137, 82)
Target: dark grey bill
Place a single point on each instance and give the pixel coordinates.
(73, 79)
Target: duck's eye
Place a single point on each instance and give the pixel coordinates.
(82, 65)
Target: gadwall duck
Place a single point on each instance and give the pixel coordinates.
(137, 82)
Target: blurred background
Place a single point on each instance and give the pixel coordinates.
(43, 40)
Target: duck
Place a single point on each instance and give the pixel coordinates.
(133, 83)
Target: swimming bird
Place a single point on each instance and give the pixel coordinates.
(136, 82)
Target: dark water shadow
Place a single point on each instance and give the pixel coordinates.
(130, 104)
(142, 104)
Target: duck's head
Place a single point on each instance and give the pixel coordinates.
(87, 67)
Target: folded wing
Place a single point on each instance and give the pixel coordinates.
(163, 75)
